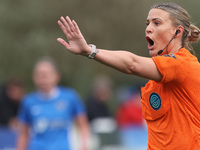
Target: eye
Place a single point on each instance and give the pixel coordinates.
(157, 23)
(147, 23)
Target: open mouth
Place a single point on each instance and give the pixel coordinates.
(150, 41)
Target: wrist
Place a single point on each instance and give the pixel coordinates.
(93, 51)
(87, 51)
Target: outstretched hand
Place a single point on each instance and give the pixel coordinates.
(76, 42)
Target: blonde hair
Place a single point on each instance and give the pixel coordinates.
(180, 17)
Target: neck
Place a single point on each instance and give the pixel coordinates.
(47, 91)
(174, 47)
(50, 94)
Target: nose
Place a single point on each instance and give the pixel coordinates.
(149, 29)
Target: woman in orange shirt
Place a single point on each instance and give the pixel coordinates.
(170, 100)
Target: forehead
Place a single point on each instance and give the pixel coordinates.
(44, 66)
(159, 14)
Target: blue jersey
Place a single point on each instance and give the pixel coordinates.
(50, 118)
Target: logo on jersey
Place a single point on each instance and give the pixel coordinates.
(168, 55)
(155, 101)
(61, 105)
(40, 125)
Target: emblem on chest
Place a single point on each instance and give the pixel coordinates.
(155, 101)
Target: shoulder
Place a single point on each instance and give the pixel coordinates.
(186, 60)
(68, 92)
(174, 66)
(181, 57)
(29, 98)
(163, 58)
(184, 54)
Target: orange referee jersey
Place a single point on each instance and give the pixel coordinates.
(171, 107)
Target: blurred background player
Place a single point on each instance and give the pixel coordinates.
(11, 94)
(129, 112)
(131, 125)
(97, 102)
(103, 125)
(49, 112)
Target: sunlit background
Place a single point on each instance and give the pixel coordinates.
(29, 29)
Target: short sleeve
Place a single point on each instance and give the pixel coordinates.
(170, 67)
(23, 112)
(78, 106)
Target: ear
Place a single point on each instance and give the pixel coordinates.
(179, 31)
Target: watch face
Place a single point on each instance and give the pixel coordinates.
(94, 51)
(93, 54)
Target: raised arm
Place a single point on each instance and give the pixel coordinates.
(123, 61)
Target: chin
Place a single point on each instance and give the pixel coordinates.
(44, 89)
(152, 53)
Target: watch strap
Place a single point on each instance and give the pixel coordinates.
(94, 51)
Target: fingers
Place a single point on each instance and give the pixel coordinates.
(73, 34)
(66, 25)
(63, 28)
(70, 24)
(76, 26)
(63, 42)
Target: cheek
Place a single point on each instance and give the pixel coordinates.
(160, 37)
(52, 80)
(164, 35)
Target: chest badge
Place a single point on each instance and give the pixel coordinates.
(155, 101)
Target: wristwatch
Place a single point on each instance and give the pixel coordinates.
(94, 51)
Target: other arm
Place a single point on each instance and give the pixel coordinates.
(23, 137)
(83, 125)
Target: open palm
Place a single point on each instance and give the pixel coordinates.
(76, 42)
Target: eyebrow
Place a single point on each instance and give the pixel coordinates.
(155, 19)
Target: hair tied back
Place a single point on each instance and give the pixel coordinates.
(194, 33)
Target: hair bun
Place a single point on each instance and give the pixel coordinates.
(194, 33)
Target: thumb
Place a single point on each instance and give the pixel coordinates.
(63, 42)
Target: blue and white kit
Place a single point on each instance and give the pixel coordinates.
(50, 117)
